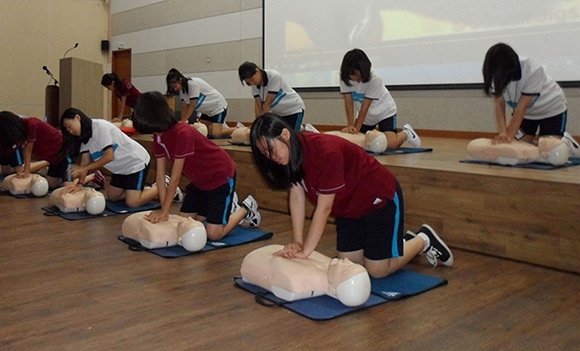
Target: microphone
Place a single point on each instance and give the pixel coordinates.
(50, 75)
(74, 47)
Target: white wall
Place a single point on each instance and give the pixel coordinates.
(36, 33)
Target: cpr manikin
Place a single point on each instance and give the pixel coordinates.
(72, 199)
(297, 278)
(202, 128)
(34, 184)
(373, 140)
(550, 150)
(241, 136)
(177, 230)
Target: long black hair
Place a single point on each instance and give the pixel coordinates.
(247, 70)
(109, 78)
(500, 66)
(13, 130)
(71, 143)
(268, 127)
(174, 76)
(152, 113)
(355, 60)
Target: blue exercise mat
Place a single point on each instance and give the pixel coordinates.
(572, 161)
(121, 207)
(112, 208)
(75, 216)
(238, 236)
(396, 286)
(402, 150)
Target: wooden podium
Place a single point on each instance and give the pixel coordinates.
(80, 86)
(51, 102)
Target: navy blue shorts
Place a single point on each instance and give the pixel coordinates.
(13, 159)
(555, 125)
(219, 118)
(294, 120)
(133, 181)
(58, 170)
(215, 205)
(388, 124)
(379, 234)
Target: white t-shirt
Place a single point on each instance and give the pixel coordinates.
(549, 99)
(287, 101)
(382, 105)
(209, 101)
(130, 156)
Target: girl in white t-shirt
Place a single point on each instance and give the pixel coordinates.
(364, 91)
(101, 144)
(272, 93)
(199, 99)
(538, 103)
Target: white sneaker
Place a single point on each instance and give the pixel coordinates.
(235, 205)
(253, 217)
(178, 197)
(310, 128)
(572, 144)
(412, 137)
(240, 125)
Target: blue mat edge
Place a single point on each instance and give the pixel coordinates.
(134, 245)
(402, 151)
(375, 298)
(74, 216)
(572, 161)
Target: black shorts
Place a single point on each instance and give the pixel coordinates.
(388, 124)
(555, 125)
(13, 159)
(133, 181)
(215, 205)
(294, 120)
(379, 234)
(219, 118)
(58, 170)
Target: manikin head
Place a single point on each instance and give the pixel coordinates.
(39, 186)
(348, 282)
(241, 136)
(375, 141)
(191, 234)
(554, 150)
(202, 128)
(94, 201)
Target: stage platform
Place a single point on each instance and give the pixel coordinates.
(526, 215)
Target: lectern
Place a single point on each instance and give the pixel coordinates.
(51, 99)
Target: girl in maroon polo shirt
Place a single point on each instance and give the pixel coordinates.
(28, 138)
(124, 91)
(343, 181)
(210, 197)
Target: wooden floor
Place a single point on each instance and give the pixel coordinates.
(74, 286)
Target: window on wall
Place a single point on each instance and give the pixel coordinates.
(421, 42)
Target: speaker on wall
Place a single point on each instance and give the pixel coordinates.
(104, 45)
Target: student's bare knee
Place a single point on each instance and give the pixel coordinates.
(214, 231)
(381, 268)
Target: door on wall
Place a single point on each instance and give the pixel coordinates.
(121, 64)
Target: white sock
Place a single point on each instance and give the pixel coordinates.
(425, 239)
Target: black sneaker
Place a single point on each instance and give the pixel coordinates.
(409, 235)
(437, 249)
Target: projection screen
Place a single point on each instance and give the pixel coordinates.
(417, 42)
